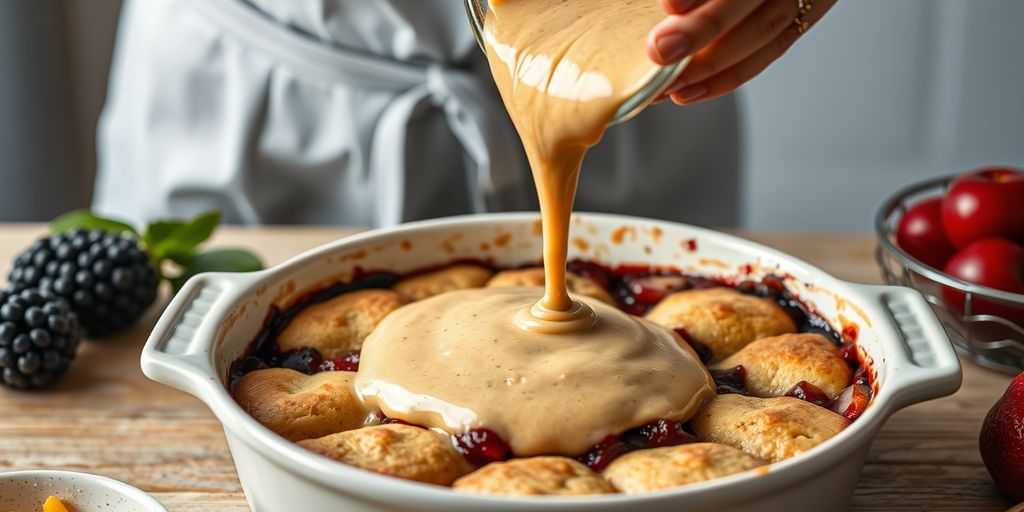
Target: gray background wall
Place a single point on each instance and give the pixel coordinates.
(882, 93)
(54, 57)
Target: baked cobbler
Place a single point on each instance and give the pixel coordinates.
(663, 468)
(722, 319)
(773, 429)
(774, 365)
(299, 406)
(398, 450)
(339, 326)
(448, 279)
(569, 379)
(785, 380)
(544, 475)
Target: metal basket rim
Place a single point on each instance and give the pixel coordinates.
(891, 205)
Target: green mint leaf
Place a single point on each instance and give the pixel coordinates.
(155, 235)
(84, 219)
(217, 260)
(158, 231)
(177, 240)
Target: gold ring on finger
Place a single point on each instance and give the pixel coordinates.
(804, 8)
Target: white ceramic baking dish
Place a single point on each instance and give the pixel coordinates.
(212, 321)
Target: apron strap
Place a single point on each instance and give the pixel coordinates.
(495, 175)
(495, 172)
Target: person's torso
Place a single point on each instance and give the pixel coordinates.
(434, 30)
(283, 111)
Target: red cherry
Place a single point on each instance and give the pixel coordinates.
(590, 270)
(481, 446)
(651, 289)
(809, 393)
(347, 363)
(604, 452)
(921, 235)
(985, 204)
(636, 308)
(995, 263)
(852, 401)
(659, 433)
(862, 376)
(850, 354)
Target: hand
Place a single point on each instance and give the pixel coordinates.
(731, 41)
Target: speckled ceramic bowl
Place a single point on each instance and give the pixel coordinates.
(211, 322)
(25, 491)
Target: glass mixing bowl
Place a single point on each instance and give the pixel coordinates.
(661, 76)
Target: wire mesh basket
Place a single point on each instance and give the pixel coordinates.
(992, 341)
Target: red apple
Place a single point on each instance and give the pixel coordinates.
(1002, 441)
(993, 262)
(921, 234)
(985, 204)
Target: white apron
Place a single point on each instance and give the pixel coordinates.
(360, 112)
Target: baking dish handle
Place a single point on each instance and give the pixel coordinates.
(926, 364)
(178, 351)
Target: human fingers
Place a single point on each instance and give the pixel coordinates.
(680, 35)
(743, 71)
(758, 30)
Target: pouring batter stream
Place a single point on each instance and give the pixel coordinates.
(553, 375)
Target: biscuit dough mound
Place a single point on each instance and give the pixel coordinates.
(672, 466)
(297, 406)
(772, 429)
(533, 477)
(722, 319)
(338, 326)
(401, 451)
(448, 279)
(774, 365)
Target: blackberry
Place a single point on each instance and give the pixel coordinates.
(38, 338)
(106, 278)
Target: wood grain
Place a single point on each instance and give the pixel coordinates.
(106, 417)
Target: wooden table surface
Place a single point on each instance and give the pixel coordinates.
(105, 417)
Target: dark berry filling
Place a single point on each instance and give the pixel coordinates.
(656, 434)
(603, 453)
(850, 354)
(305, 360)
(809, 393)
(651, 289)
(730, 380)
(347, 363)
(702, 350)
(852, 401)
(590, 270)
(862, 376)
(263, 352)
(481, 446)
